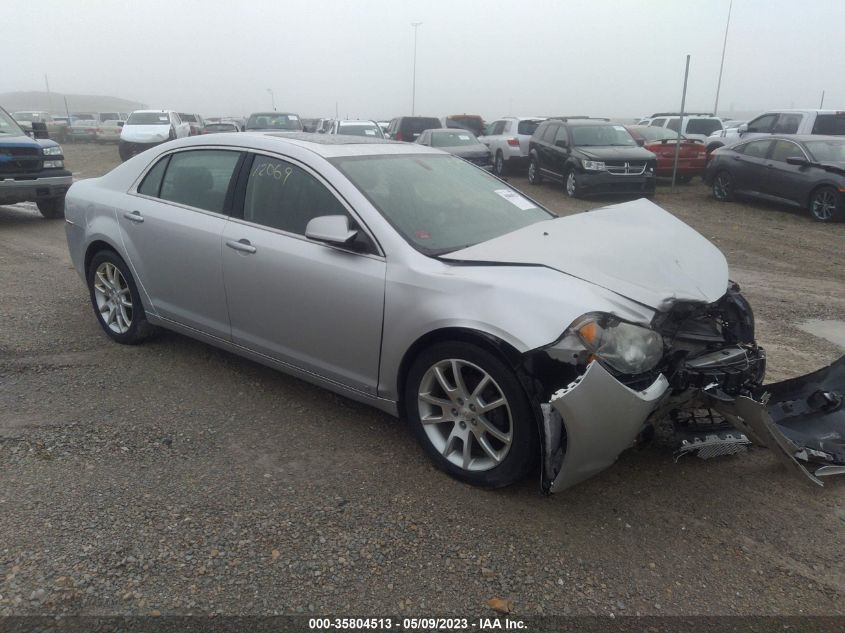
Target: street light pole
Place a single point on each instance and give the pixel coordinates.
(272, 98)
(722, 65)
(416, 25)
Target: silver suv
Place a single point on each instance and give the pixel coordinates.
(507, 138)
(829, 122)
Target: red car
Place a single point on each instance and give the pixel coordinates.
(661, 141)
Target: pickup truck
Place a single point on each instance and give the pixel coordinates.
(829, 122)
(32, 169)
(55, 127)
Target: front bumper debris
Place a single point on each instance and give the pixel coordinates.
(801, 419)
(590, 422)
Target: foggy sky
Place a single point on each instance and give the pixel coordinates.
(599, 57)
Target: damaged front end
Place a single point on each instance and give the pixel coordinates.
(702, 392)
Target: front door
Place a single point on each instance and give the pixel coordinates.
(314, 306)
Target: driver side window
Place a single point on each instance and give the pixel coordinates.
(282, 196)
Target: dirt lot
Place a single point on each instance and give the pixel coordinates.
(177, 478)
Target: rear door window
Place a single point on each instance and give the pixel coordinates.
(674, 124)
(283, 196)
(755, 149)
(527, 127)
(658, 122)
(833, 124)
(199, 178)
(550, 132)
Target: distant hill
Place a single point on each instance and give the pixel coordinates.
(14, 101)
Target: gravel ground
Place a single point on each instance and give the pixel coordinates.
(176, 478)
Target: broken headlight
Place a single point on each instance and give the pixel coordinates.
(628, 348)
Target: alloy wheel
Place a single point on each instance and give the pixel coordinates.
(571, 184)
(114, 299)
(465, 414)
(824, 205)
(500, 165)
(722, 186)
(532, 172)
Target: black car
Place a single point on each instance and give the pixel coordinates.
(408, 128)
(806, 171)
(460, 143)
(590, 156)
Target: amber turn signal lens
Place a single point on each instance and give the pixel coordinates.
(589, 332)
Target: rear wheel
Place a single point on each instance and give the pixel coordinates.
(471, 415)
(723, 186)
(499, 167)
(52, 208)
(115, 299)
(534, 176)
(826, 206)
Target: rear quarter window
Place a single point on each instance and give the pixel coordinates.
(832, 124)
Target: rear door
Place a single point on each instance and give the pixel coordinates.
(790, 182)
(301, 302)
(172, 231)
(748, 166)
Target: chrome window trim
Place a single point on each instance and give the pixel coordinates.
(786, 140)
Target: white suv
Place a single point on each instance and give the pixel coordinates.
(697, 125)
(507, 138)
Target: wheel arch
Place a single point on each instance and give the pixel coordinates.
(486, 341)
(95, 247)
(820, 185)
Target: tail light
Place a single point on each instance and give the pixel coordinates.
(513, 142)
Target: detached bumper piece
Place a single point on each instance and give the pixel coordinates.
(802, 420)
(590, 422)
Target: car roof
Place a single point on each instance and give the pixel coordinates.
(325, 145)
(585, 122)
(801, 138)
(155, 111)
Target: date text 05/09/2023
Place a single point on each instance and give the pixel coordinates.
(418, 624)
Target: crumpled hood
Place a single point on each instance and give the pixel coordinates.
(636, 249)
(145, 133)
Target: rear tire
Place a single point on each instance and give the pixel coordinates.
(723, 186)
(826, 205)
(115, 299)
(52, 208)
(503, 442)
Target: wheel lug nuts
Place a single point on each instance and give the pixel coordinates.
(472, 407)
(460, 401)
(463, 424)
(454, 412)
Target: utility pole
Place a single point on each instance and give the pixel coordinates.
(722, 65)
(821, 105)
(680, 126)
(272, 98)
(416, 25)
(49, 95)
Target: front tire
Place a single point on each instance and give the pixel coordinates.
(471, 415)
(570, 184)
(723, 186)
(534, 177)
(826, 206)
(52, 208)
(499, 165)
(115, 299)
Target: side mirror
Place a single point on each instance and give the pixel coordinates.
(332, 229)
(742, 129)
(797, 160)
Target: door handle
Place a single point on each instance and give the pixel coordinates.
(134, 216)
(242, 246)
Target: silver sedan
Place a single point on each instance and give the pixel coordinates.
(400, 276)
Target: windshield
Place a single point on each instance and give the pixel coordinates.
(703, 126)
(653, 133)
(527, 127)
(8, 125)
(452, 139)
(439, 203)
(26, 116)
(273, 121)
(148, 118)
(221, 127)
(601, 135)
(360, 129)
(109, 116)
(827, 151)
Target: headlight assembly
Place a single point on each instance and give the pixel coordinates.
(628, 348)
(53, 150)
(593, 165)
